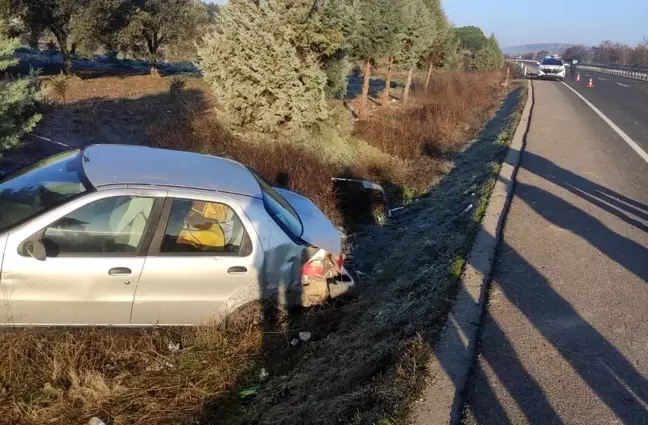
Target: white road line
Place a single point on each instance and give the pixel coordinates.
(624, 85)
(602, 79)
(642, 153)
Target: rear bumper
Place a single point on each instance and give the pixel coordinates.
(315, 291)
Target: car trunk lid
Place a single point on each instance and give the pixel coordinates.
(319, 231)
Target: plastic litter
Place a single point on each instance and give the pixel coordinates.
(96, 421)
(263, 375)
(174, 348)
(249, 392)
(295, 341)
(305, 336)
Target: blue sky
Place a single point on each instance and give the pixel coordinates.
(516, 22)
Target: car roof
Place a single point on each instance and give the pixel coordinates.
(128, 164)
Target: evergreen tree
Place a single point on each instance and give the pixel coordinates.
(495, 55)
(373, 37)
(394, 47)
(418, 36)
(262, 61)
(17, 98)
(444, 49)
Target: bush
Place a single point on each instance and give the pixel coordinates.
(59, 85)
(17, 99)
(262, 75)
(337, 73)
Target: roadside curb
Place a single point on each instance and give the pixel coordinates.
(454, 354)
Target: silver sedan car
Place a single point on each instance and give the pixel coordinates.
(136, 236)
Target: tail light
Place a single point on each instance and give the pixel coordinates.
(313, 268)
(340, 261)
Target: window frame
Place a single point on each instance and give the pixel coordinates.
(160, 231)
(142, 249)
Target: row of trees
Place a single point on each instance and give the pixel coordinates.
(141, 28)
(272, 63)
(609, 52)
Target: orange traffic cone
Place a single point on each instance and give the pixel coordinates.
(590, 84)
(578, 78)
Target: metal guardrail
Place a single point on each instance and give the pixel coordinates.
(638, 73)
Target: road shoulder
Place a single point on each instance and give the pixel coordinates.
(442, 397)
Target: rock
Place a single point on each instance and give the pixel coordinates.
(295, 341)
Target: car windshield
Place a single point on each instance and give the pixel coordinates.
(552, 62)
(280, 210)
(40, 187)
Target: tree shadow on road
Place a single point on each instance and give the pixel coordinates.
(601, 366)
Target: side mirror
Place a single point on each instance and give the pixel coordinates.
(36, 249)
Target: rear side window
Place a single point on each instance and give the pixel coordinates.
(280, 210)
(199, 227)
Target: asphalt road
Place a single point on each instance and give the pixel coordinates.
(565, 336)
(623, 100)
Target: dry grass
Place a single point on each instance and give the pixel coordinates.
(438, 120)
(68, 377)
(365, 360)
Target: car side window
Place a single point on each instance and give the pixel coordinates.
(199, 227)
(111, 225)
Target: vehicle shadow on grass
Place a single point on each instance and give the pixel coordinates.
(602, 368)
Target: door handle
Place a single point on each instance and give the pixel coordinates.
(237, 270)
(119, 271)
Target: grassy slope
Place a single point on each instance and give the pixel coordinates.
(362, 362)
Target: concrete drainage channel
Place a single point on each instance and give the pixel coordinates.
(442, 398)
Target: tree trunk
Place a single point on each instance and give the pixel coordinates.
(407, 86)
(151, 42)
(429, 75)
(61, 39)
(384, 101)
(365, 90)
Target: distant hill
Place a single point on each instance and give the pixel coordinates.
(526, 48)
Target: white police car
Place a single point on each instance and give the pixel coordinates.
(551, 67)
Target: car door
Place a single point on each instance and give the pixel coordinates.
(95, 249)
(204, 261)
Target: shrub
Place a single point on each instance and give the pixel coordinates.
(337, 73)
(260, 69)
(17, 99)
(177, 84)
(59, 85)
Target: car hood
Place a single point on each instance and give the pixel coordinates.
(550, 66)
(318, 229)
